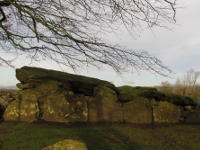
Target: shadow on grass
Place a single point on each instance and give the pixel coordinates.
(22, 136)
(105, 138)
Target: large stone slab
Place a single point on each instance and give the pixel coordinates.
(63, 106)
(80, 84)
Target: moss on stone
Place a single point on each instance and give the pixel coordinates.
(28, 74)
(165, 112)
(30, 94)
(12, 111)
(128, 93)
(29, 111)
(138, 111)
(78, 109)
(22, 110)
(49, 87)
(104, 106)
(54, 108)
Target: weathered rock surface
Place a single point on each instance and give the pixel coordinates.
(55, 108)
(30, 95)
(55, 96)
(165, 112)
(80, 84)
(25, 86)
(78, 109)
(25, 108)
(104, 106)
(29, 111)
(6, 97)
(26, 111)
(192, 116)
(138, 111)
(12, 111)
(67, 145)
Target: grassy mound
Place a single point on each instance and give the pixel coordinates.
(20, 136)
(128, 93)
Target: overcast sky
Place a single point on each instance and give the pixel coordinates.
(179, 49)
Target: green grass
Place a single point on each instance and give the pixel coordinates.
(128, 93)
(136, 90)
(21, 136)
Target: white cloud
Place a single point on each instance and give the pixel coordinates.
(179, 49)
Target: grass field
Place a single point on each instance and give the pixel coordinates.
(21, 136)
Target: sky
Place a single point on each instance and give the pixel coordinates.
(178, 48)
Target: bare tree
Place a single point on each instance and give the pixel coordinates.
(68, 31)
(191, 77)
(187, 85)
(166, 87)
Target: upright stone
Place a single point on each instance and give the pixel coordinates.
(29, 107)
(78, 109)
(12, 111)
(192, 116)
(138, 111)
(25, 109)
(104, 107)
(165, 112)
(29, 111)
(55, 108)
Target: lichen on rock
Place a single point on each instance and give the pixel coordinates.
(12, 111)
(78, 109)
(165, 112)
(138, 111)
(104, 107)
(26, 111)
(55, 96)
(29, 111)
(80, 84)
(54, 108)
